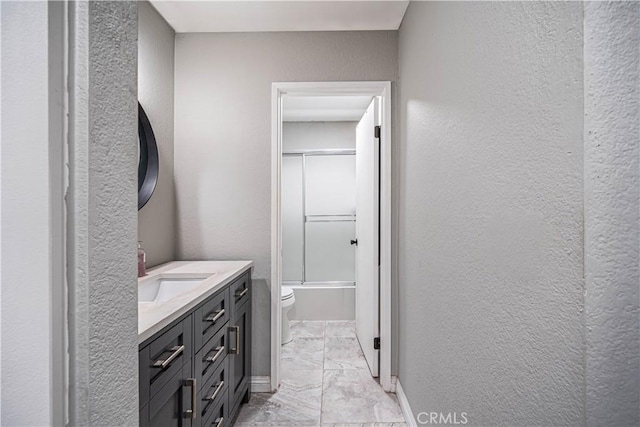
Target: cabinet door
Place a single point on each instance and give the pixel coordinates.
(171, 405)
(239, 356)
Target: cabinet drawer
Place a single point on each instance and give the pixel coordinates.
(218, 415)
(214, 390)
(165, 356)
(213, 353)
(240, 292)
(211, 317)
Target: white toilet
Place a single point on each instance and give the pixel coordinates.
(288, 299)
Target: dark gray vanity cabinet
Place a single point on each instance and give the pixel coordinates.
(196, 371)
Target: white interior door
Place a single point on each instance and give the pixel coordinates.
(367, 231)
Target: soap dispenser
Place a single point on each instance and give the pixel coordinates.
(142, 259)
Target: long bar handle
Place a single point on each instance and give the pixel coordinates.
(177, 350)
(219, 351)
(242, 293)
(214, 319)
(215, 393)
(219, 421)
(236, 350)
(193, 412)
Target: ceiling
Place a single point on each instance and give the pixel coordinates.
(303, 15)
(324, 108)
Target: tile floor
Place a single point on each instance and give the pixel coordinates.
(325, 382)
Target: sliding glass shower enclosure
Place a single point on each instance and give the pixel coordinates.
(318, 217)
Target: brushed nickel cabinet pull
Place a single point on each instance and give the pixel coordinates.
(219, 421)
(219, 351)
(193, 412)
(242, 293)
(177, 350)
(214, 319)
(215, 393)
(235, 350)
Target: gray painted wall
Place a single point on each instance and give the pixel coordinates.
(223, 137)
(156, 220)
(318, 135)
(26, 217)
(102, 214)
(612, 135)
(491, 211)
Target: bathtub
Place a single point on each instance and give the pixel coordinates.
(336, 302)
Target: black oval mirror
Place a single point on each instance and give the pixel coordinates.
(147, 159)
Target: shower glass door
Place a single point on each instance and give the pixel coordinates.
(330, 207)
(318, 203)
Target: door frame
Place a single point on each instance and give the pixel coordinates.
(363, 88)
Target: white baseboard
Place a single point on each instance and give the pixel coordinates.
(392, 386)
(404, 405)
(260, 384)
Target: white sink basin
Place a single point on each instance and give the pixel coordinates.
(162, 288)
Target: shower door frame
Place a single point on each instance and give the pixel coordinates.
(305, 216)
(381, 89)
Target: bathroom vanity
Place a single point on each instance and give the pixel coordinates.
(194, 334)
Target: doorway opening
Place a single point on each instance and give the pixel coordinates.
(331, 215)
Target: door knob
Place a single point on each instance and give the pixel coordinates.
(354, 242)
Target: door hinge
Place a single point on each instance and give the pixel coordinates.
(376, 343)
(376, 131)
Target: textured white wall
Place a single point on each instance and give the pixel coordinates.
(102, 209)
(490, 245)
(612, 209)
(113, 183)
(26, 229)
(223, 136)
(156, 41)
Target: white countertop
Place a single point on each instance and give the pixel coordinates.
(152, 316)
